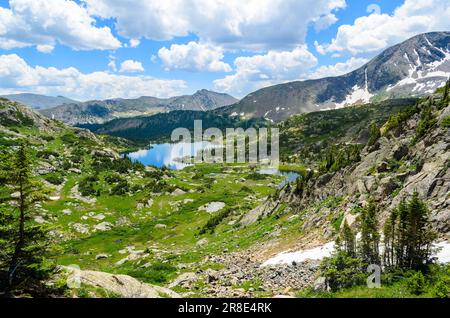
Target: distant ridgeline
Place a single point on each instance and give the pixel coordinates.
(160, 126)
(305, 131)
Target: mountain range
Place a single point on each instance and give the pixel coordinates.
(37, 101)
(99, 111)
(413, 68)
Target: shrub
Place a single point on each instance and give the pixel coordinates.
(69, 138)
(214, 221)
(113, 178)
(374, 134)
(256, 176)
(158, 273)
(121, 188)
(341, 271)
(46, 154)
(246, 190)
(442, 289)
(86, 186)
(155, 174)
(427, 120)
(159, 186)
(446, 122)
(48, 137)
(416, 283)
(54, 178)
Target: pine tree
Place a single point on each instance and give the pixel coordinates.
(420, 235)
(374, 134)
(408, 236)
(389, 231)
(23, 243)
(445, 96)
(348, 240)
(402, 235)
(370, 238)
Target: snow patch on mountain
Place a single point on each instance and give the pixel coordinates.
(425, 78)
(358, 95)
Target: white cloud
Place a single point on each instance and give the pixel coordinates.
(130, 66)
(112, 65)
(43, 48)
(17, 76)
(262, 70)
(47, 22)
(340, 68)
(134, 43)
(232, 24)
(193, 57)
(325, 21)
(378, 31)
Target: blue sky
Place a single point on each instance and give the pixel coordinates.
(172, 47)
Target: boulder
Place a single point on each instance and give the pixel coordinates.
(202, 242)
(104, 226)
(320, 284)
(80, 228)
(400, 151)
(177, 192)
(383, 167)
(184, 280)
(98, 217)
(123, 285)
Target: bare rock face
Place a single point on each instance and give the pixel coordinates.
(390, 173)
(260, 211)
(122, 285)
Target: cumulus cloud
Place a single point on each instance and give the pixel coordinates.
(130, 66)
(134, 43)
(47, 22)
(325, 21)
(340, 68)
(233, 24)
(378, 31)
(17, 76)
(45, 48)
(258, 71)
(193, 57)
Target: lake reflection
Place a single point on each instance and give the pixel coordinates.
(170, 155)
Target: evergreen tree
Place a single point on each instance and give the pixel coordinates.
(420, 235)
(445, 97)
(348, 240)
(427, 119)
(374, 134)
(299, 186)
(23, 243)
(401, 237)
(369, 245)
(390, 228)
(408, 236)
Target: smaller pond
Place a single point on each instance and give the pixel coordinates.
(290, 176)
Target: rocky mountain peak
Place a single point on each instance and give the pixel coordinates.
(414, 67)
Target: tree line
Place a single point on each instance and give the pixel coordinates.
(406, 244)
